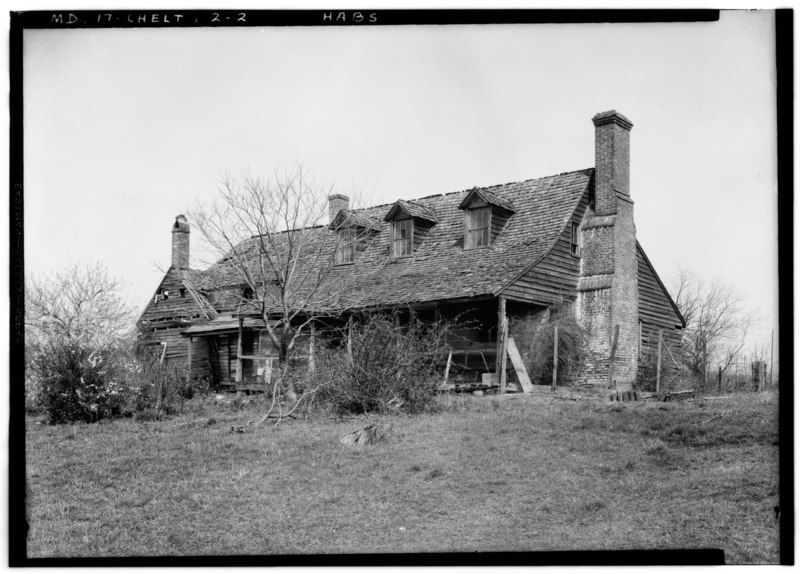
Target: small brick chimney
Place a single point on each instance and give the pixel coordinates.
(337, 203)
(180, 243)
(608, 291)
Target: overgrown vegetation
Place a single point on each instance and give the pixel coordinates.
(382, 365)
(82, 364)
(535, 338)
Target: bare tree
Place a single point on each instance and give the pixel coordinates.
(716, 324)
(277, 253)
(80, 302)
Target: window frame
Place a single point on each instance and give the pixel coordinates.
(575, 239)
(346, 245)
(397, 226)
(470, 231)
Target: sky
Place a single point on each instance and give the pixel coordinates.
(126, 128)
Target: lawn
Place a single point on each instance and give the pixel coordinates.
(512, 473)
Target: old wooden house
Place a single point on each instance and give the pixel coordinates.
(488, 253)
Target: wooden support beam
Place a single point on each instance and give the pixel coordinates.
(613, 354)
(238, 378)
(519, 366)
(447, 368)
(503, 371)
(485, 364)
(658, 360)
(501, 349)
(555, 356)
(674, 362)
(311, 342)
(350, 338)
(189, 358)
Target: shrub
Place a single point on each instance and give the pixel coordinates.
(78, 382)
(390, 366)
(159, 386)
(535, 337)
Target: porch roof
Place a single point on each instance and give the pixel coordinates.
(226, 324)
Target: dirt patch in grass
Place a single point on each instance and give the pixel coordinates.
(520, 474)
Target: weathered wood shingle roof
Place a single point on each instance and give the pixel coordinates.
(441, 268)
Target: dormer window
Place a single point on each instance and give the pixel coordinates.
(478, 226)
(354, 231)
(485, 217)
(411, 223)
(403, 237)
(345, 247)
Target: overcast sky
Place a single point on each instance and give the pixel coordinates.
(126, 128)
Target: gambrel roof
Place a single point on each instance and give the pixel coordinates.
(440, 268)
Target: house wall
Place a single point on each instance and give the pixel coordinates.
(175, 307)
(656, 313)
(555, 277)
(164, 320)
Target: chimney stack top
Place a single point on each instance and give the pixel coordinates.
(181, 224)
(612, 117)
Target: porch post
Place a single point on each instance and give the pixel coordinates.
(311, 339)
(239, 352)
(500, 371)
(189, 358)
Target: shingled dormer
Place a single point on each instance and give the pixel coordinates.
(410, 224)
(485, 216)
(354, 231)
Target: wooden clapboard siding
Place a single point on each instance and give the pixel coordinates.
(655, 304)
(556, 275)
(200, 359)
(175, 306)
(657, 312)
(177, 344)
(227, 358)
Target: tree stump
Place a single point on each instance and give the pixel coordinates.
(369, 434)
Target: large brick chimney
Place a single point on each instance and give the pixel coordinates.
(180, 243)
(608, 293)
(336, 203)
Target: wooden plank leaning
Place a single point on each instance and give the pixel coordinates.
(519, 366)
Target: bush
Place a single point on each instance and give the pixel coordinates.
(160, 387)
(390, 366)
(77, 382)
(535, 337)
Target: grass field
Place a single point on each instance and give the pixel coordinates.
(516, 473)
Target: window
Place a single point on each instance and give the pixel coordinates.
(346, 247)
(575, 238)
(403, 237)
(183, 293)
(478, 225)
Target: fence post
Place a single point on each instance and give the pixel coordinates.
(658, 361)
(719, 380)
(771, 342)
(555, 356)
